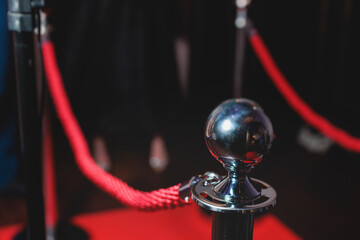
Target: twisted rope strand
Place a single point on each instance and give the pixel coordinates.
(155, 200)
(317, 121)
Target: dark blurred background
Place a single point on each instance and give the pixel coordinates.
(120, 65)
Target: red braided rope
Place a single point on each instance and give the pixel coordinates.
(158, 199)
(294, 100)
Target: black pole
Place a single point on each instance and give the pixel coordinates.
(232, 226)
(30, 133)
(240, 45)
(21, 22)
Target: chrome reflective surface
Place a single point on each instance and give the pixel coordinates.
(238, 134)
(238, 131)
(185, 187)
(204, 195)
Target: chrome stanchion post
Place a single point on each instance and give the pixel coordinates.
(238, 134)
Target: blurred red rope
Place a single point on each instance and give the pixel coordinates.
(294, 100)
(158, 199)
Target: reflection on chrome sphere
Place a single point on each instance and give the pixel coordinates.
(238, 131)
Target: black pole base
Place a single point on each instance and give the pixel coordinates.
(232, 226)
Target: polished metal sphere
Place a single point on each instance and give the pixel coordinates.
(238, 131)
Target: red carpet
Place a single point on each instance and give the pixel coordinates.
(178, 224)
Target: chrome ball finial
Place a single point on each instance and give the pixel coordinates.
(238, 132)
